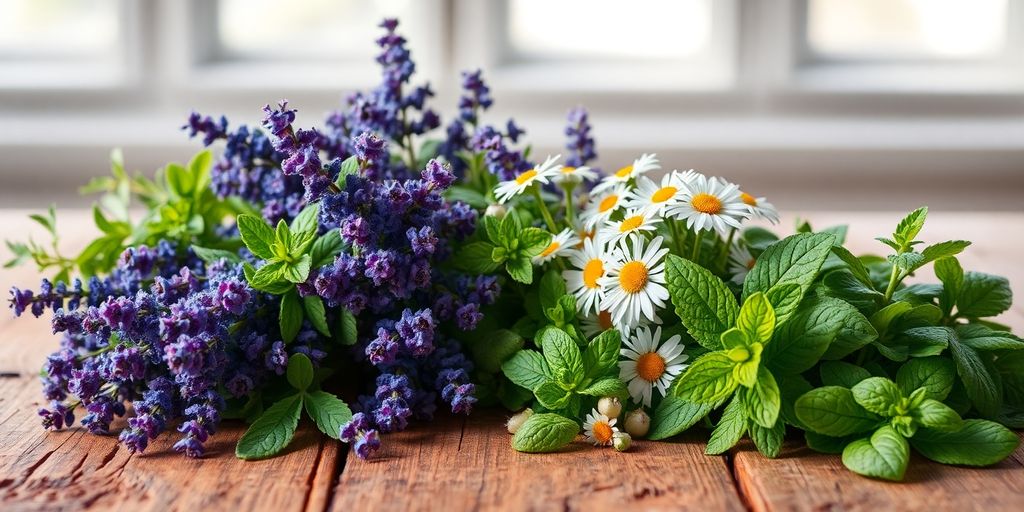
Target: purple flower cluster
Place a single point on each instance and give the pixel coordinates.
(501, 160)
(581, 142)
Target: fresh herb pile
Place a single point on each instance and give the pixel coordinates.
(369, 260)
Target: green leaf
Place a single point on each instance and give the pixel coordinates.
(602, 354)
(257, 236)
(856, 333)
(298, 271)
(533, 241)
(826, 444)
(179, 181)
(316, 313)
(942, 250)
(499, 345)
(561, 353)
(268, 276)
(729, 429)
(325, 248)
(520, 269)
(492, 227)
(935, 374)
(307, 219)
(300, 371)
(272, 431)
(466, 195)
(885, 316)
(936, 415)
(768, 440)
(290, 317)
(977, 443)
(349, 166)
(526, 369)
(552, 395)
(840, 373)
(283, 234)
(703, 302)
(328, 412)
(544, 432)
(857, 268)
(801, 341)
(981, 386)
(610, 386)
(832, 411)
(349, 330)
(884, 455)
(475, 257)
(878, 395)
(552, 288)
(793, 260)
(214, 255)
(674, 415)
(708, 380)
(949, 271)
(763, 401)
(982, 338)
(983, 295)
(908, 228)
(734, 338)
(757, 318)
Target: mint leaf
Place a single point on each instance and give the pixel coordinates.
(935, 374)
(290, 316)
(911, 225)
(533, 241)
(703, 302)
(476, 257)
(268, 276)
(272, 431)
(709, 380)
(349, 166)
(328, 412)
(526, 369)
(982, 338)
(552, 395)
(349, 331)
(520, 268)
(757, 318)
(801, 341)
(832, 411)
(307, 220)
(840, 373)
(300, 371)
(561, 353)
(949, 271)
(326, 248)
(214, 255)
(492, 228)
(977, 443)
(257, 236)
(856, 333)
(552, 288)
(610, 386)
(602, 354)
(884, 455)
(857, 268)
(490, 353)
(983, 295)
(763, 401)
(734, 338)
(936, 415)
(674, 415)
(878, 395)
(544, 432)
(316, 313)
(768, 440)
(729, 429)
(981, 386)
(794, 260)
(298, 271)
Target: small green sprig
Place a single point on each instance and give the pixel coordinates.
(507, 243)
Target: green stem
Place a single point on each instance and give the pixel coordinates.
(570, 212)
(548, 219)
(723, 254)
(696, 246)
(893, 281)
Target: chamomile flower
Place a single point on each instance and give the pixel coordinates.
(570, 174)
(740, 262)
(560, 244)
(710, 203)
(603, 206)
(760, 207)
(590, 265)
(541, 174)
(650, 363)
(644, 164)
(635, 222)
(634, 285)
(599, 429)
(654, 197)
(596, 324)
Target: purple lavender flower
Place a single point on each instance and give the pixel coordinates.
(233, 296)
(57, 416)
(580, 143)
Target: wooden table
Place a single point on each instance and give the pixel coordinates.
(466, 463)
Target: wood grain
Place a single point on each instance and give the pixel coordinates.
(467, 464)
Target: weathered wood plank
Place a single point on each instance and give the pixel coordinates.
(445, 467)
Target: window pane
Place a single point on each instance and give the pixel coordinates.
(305, 29)
(649, 29)
(906, 28)
(48, 29)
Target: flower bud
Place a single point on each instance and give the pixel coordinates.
(496, 210)
(637, 423)
(609, 406)
(622, 441)
(517, 420)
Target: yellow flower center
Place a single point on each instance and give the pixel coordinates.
(604, 320)
(526, 176)
(568, 170)
(592, 272)
(650, 366)
(664, 194)
(602, 432)
(608, 203)
(633, 277)
(631, 223)
(550, 249)
(624, 172)
(706, 203)
(749, 199)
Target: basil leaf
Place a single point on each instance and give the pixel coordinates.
(884, 455)
(544, 432)
(703, 302)
(476, 257)
(936, 415)
(981, 386)
(272, 431)
(328, 412)
(982, 338)
(801, 342)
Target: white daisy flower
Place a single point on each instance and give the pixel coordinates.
(599, 429)
(649, 365)
(603, 206)
(590, 264)
(710, 203)
(760, 207)
(634, 285)
(570, 174)
(560, 244)
(654, 197)
(541, 174)
(740, 262)
(596, 324)
(635, 222)
(644, 164)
